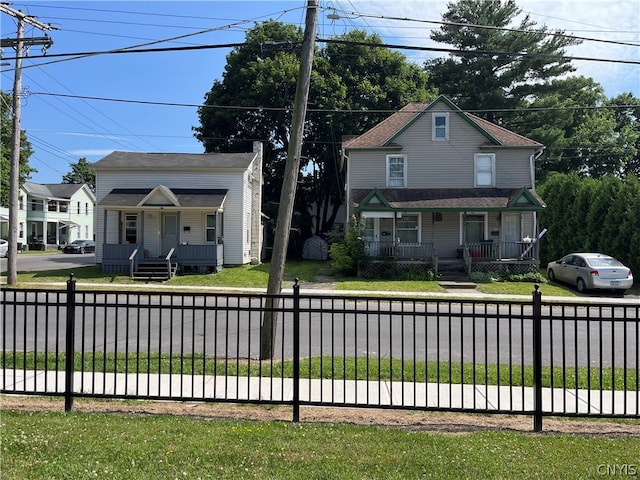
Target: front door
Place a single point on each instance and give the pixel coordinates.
(512, 228)
(169, 232)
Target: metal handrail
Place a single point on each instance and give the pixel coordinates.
(168, 260)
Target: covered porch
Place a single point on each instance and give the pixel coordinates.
(154, 233)
(459, 231)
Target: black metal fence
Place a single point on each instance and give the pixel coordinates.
(531, 358)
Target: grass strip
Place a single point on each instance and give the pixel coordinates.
(360, 368)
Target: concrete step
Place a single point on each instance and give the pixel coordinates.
(457, 285)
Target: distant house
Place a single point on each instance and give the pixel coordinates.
(184, 210)
(435, 184)
(50, 215)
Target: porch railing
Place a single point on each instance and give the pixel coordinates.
(115, 257)
(501, 250)
(400, 250)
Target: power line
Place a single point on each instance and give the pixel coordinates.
(319, 110)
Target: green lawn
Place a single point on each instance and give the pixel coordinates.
(77, 445)
(337, 368)
(306, 271)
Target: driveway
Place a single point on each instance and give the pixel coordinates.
(49, 261)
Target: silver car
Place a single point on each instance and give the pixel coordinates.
(591, 271)
(4, 248)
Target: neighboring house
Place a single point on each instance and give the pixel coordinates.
(187, 210)
(50, 215)
(435, 184)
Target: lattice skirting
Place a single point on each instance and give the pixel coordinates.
(506, 268)
(395, 270)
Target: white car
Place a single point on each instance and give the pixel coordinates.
(4, 248)
(591, 271)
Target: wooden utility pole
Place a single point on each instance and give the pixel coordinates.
(19, 44)
(288, 193)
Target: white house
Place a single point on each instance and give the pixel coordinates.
(50, 215)
(190, 210)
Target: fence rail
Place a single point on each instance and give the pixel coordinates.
(533, 358)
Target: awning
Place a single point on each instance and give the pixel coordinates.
(67, 223)
(211, 198)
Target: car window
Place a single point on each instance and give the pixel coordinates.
(579, 262)
(604, 262)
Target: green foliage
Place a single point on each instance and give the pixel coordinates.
(6, 140)
(489, 277)
(587, 214)
(81, 172)
(492, 82)
(346, 254)
(261, 76)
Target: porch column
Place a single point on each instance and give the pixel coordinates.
(178, 228)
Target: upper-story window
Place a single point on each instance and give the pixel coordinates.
(21, 202)
(52, 206)
(79, 207)
(440, 126)
(485, 169)
(64, 207)
(86, 208)
(396, 171)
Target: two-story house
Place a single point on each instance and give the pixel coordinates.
(50, 215)
(433, 183)
(192, 211)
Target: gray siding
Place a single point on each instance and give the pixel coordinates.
(440, 164)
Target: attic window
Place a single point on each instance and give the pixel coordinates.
(440, 126)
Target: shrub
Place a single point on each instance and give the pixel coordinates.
(345, 253)
(534, 277)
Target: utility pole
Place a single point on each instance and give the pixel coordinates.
(19, 43)
(288, 193)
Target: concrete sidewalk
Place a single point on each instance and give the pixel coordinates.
(356, 393)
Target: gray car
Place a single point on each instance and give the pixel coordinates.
(4, 248)
(587, 271)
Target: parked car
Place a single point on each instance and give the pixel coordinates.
(591, 271)
(4, 248)
(80, 246)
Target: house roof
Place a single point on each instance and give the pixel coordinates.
(53, 190)
(449, 199)
(383, 134)
(173, 161)
(175, 197)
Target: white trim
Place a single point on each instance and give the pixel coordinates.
(377, 214)
(404, 172)
(492, 158)
(434, 129)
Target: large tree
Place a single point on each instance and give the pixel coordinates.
(499, 62)
(81, 172)
(6, 139)
(352, 88)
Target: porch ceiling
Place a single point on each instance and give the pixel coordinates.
(448, 199)
(186, 197)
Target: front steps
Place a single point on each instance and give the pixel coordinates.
(452, 270)
(155, 271)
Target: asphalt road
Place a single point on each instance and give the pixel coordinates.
(49, 261)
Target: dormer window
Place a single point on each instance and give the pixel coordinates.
(396, 171)
(440, 127)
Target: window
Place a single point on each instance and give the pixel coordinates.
(37, 205)
(485, 170)
(78, 208)
(86, 209)
(407, 228)
(21, 202)
(210, 228)
(64, 207)
(440, 126)
(130, 227)
(86, 231)
(396, 171)
(52, 206)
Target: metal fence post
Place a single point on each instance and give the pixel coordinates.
(296, 352)
(537, 359)
(70, 350)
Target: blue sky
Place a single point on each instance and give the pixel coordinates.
(64, 128)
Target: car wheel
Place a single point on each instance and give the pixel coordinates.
(551, 275)
(582, 287)
(82, 250)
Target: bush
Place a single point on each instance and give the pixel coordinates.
(534, 277)
(484, 277)
(345, 253)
